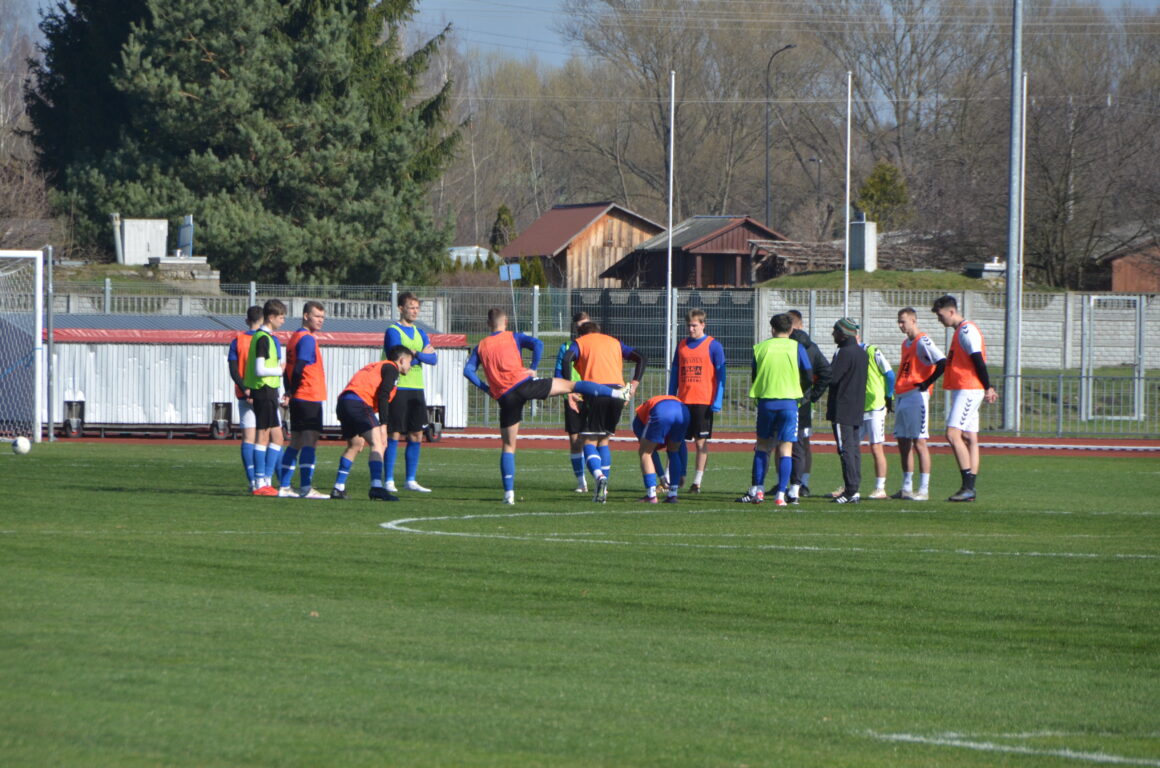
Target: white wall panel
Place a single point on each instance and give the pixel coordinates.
(147, 384)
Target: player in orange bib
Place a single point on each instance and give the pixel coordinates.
(662, 420)
(305, 394)
(600, 358)
(371, 389)
(512, 385)
(967, 380)
(697, 378)
(921, 365)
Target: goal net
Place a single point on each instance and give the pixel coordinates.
(21, 343)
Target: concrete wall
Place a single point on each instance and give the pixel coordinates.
(1053, 323)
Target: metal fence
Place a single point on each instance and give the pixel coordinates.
(1101, 344)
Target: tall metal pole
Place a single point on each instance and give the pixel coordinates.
(768, 97)
(849, 134)
(669, 340)
(50, 333)
(1014, 220)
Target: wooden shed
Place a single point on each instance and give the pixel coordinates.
(708, 252)
(576, 243)
(1136, 270)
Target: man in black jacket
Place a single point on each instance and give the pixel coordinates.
(812, 390)
(846, 404)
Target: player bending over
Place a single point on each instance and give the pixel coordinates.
(371, 388)
(662, 420)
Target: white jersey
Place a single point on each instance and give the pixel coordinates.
(926, 350)
(970, 337)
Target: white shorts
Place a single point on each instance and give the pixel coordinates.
(964, 413)
(910, 415)
(874, 426)
(246, 418)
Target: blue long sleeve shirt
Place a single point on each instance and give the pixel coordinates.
(523, 341)
(392, 338)
(716, 357)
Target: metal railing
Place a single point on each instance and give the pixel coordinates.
(1061, 405)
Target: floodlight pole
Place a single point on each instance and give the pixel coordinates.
(768, 98)
(849, 134)
(670, 341)
(1011, 335)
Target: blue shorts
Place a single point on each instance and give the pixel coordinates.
(777, 419)
(667, 423)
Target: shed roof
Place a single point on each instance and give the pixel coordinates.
(696, 230)
(690, 236)
(555, 230)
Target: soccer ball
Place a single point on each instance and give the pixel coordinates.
(21, 445)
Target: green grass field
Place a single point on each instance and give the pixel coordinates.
(153, 615)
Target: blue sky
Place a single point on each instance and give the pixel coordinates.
(516, 28)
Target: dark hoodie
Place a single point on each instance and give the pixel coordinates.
(847, 396)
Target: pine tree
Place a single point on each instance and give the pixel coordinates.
(884, 197)
(532, 272)
(284, 126)
(503, 231)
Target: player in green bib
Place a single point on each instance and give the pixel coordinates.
(262, 379)
(408, 412)
(779, 366)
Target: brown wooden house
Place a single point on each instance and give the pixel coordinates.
(576, 243)
(708, 252)
(1136, 270)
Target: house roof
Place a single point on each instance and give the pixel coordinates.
(693, 235)
(697, 230)
(555, 230)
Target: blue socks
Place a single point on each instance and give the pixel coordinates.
(412, 459)
(578, 465)
(273, 462)
(259, 463)
(289, 464)
(344, 465)
(605, 459)
(376, 468)
(306, 466)
(248, 462)
(760, 467)
(593, 389)
(507, 470)
(389, 459)
(784, 468)
(676, 467)
(592, 459)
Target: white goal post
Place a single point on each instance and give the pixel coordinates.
(22, 381)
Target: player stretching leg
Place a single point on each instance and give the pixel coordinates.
(512, 385)
(572, 424)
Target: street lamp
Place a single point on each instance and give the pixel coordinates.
(768, 96)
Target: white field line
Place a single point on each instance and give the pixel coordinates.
(955, 740)
(406, 525)
(830, 443)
